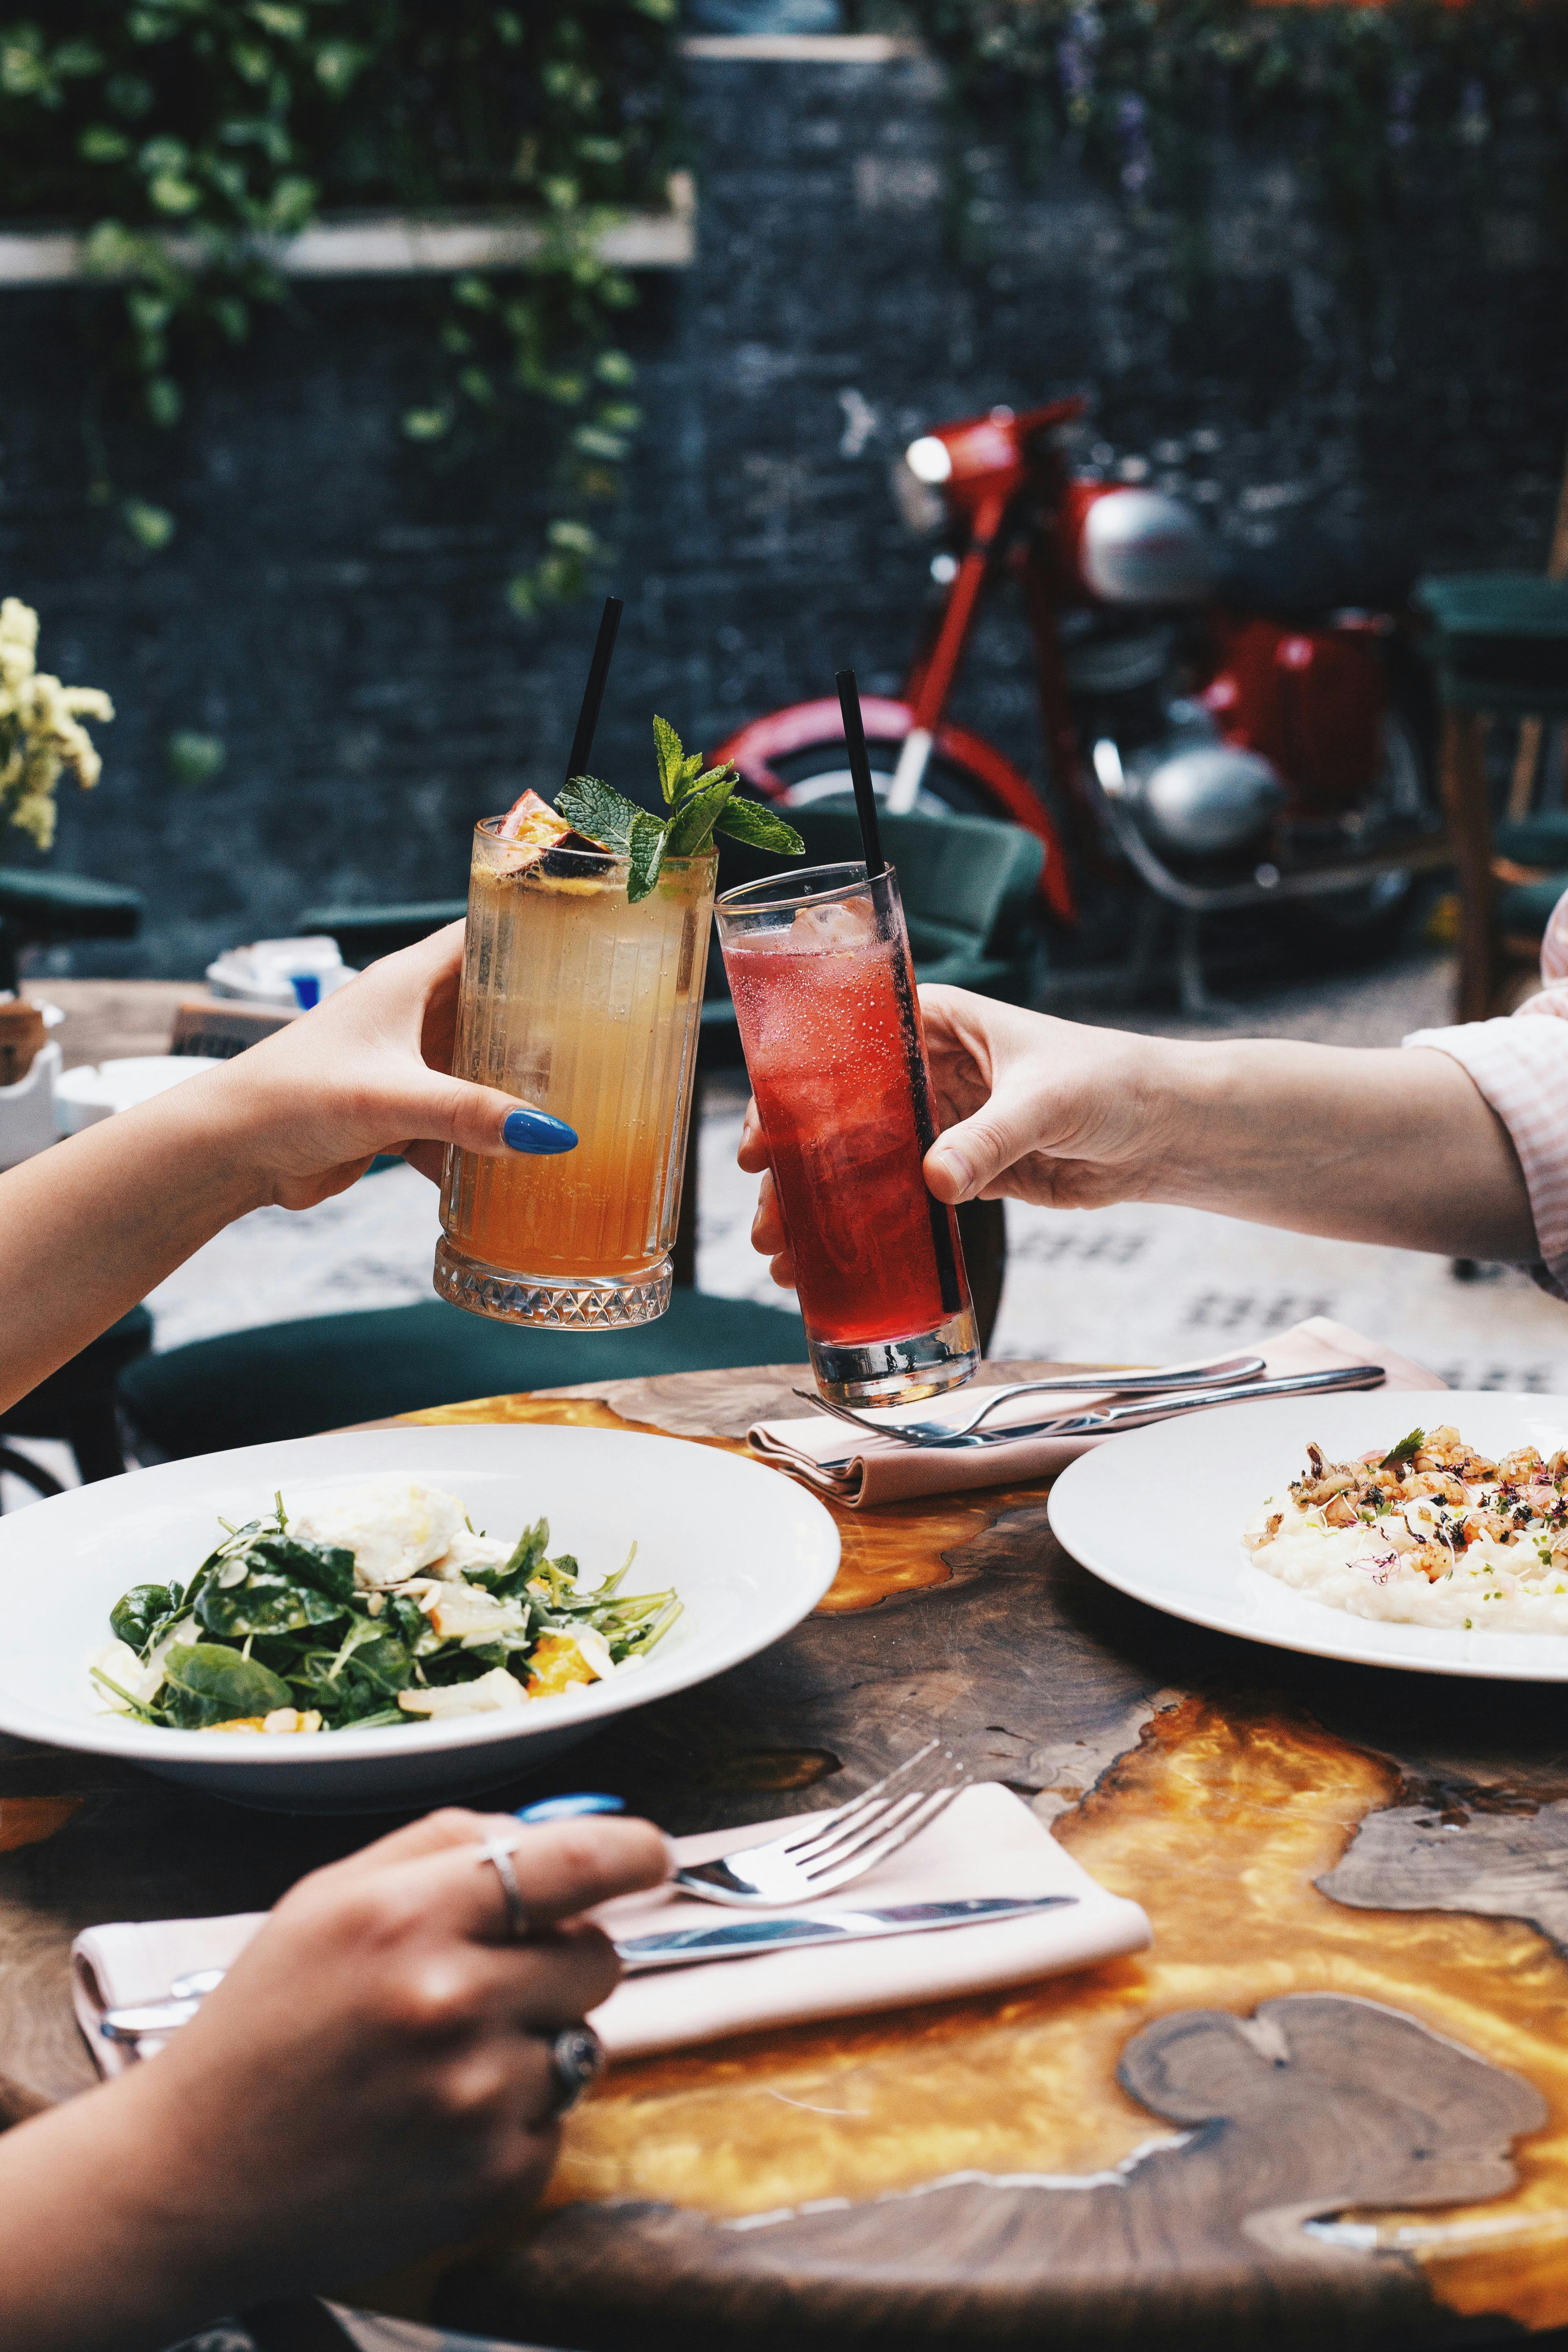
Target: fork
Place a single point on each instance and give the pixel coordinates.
(1137, 1412)
(1217, 1372)
(826, 1853)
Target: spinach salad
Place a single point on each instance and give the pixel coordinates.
(408, 1614)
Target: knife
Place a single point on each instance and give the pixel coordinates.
(677, 1947)
(739, 1939)
(1098, 1420)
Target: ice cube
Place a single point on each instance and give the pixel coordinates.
(843, 924)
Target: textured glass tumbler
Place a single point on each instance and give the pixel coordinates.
(587, 1007)
(818, 964)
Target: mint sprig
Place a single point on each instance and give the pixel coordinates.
(700, 802)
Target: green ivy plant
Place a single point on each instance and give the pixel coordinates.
(188, 136)
(1371, 103)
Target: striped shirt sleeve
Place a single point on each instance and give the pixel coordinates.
(1521, 1065)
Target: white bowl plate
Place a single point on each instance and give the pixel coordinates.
(749, 1553)
(1159, 1513)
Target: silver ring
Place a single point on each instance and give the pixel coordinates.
(493, 1849)
(576, 2059)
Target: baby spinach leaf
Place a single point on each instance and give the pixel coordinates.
(264, 1603)
(136, 1613)
(372, 1652)
(216, 1683)
(383, 1664)
(329, 1567)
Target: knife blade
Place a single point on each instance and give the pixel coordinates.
(677, 1947)
(739, 1939)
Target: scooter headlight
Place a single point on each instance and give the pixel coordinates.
(921, 509)
(928, 460)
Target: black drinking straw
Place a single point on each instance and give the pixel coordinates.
(860, 773)
(593, 692)
(903, 981)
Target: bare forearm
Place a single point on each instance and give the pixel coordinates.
(94, 2257)
(91, 1226)
(1395, 1146)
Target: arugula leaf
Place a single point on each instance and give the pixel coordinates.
(1405, 1452)
(749, 820)
(508, 1580)
(144, 1714)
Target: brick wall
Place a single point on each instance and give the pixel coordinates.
(332, 607)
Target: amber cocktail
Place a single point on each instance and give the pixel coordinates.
(587, 1007)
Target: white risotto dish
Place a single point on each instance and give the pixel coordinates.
(1431, 1533)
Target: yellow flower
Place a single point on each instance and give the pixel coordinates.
(40, 728)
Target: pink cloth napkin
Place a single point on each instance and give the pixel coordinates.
(866, 1470)
(987, 1843)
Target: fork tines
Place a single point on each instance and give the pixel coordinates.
(880, 1820)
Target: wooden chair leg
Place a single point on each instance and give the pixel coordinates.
(1526, 761)
(983, 1230)
(683, 1257)
(1463, 787)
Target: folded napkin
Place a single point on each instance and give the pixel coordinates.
(860, 1469)
(987, 1843)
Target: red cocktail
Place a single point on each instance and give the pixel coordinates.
(819, 969)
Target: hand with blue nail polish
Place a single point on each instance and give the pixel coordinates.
(535, 1130)
(290, 1122)
(563, 1809)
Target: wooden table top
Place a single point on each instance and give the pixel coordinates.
(1333, 2096)
(109, 1019)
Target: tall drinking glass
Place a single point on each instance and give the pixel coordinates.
(818, 964)
(588, 1007)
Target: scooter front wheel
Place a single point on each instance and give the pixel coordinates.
(815, 776)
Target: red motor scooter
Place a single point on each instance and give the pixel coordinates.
(1217, 738)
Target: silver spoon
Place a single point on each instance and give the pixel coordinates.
(1219, 1371)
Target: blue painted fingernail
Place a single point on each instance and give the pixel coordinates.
(562, 1809)
(535, 1130)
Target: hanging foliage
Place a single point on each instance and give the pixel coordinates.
(1366, 100)
(187, 137)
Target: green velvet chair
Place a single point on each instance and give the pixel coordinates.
(1498, 645)
(75, 1406)
(293, 1380)
(40, 909)
(968, 886)
(363, 933)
